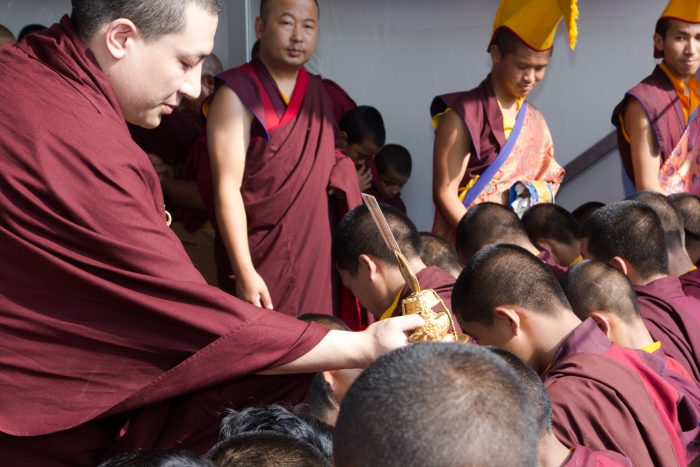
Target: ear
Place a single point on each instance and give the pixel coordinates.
(259, 26)
(621, 265)
(658, 42)
(495, 53)
(119, 35)
(602, 321)
(511, 316)
(544, 245)
(369, 265)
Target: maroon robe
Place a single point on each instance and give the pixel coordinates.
(584, 457)
(556, 269)
(290, 166)
(436, 278)
(394, 201)
(172, 139)
(605, 398)
(690, 282)
(111, 338)
(668, 315)
(664, 111)
(341, 100)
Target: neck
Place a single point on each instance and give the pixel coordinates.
(527, 245)
(552, 332)
(635, 279)
(684, 79)
(395, 282)
(505, 98)
(693, 249)
(637, 336)
(679, 262)
(283, 75)
(552, 452)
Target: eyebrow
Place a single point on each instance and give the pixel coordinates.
(196, 58)
(286, 13)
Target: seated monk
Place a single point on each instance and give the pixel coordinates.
(603, 396)
(362, 134)
(439, 252)
(490, 223)
(437, 404)
(629, 236)
(394, 166)
(552, 452)
(688, 208)
(369, 269)
(553, 229)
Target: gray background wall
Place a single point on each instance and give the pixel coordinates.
(398, 54)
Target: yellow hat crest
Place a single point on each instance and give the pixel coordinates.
(681, 10)
(535, 21)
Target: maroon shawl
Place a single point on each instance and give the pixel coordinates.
(290, 165)
(584, 457)
(101, 311)
(668, 314)
(664, 111)
(605, 398)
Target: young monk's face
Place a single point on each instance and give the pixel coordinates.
(288, 33)
(391, 183)
(681, 48)
(154, 76)
(520, 72)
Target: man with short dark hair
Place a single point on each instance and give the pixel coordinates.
(484, 144)
(439, 252)
(112, 341)
(603, 396)
(554, 229)
(433, 405)
(271, 139)
(653, 116)
(630, 236)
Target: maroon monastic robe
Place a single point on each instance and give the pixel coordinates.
(394, 201)
(584, 457)
(668, 315)
(111, 338)
(172, 139)
(556, 269)
(605, 398)
(664, 111)
(290, 166)
(690, 282)
(340, 99)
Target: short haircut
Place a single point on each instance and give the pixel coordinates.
(327, 321)
(595, 286)
(275, 418)
(265, 6)
(688, 209)
(153, 18)
(670, 220)
(501, 275)
(507, 42)
(29, 29)
(394, 157)
(534, 387)
(632, 231)
(436, 404)
(662, 27)
(550, 222)
(586, 210)
(212, 66)
(266, 449)
(439, 252)
(487, 224)
(361, 123)
(357, 234)
(6, 36)
(158, 458)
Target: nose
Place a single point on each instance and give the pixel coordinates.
(529, 76)
(297, 33)
(192, 86)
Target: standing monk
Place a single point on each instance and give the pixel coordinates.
(112, 341)
(489, 138)
(654, 115)
(272, 145)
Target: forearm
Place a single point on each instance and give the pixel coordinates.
(233, 226)
(182, 192)
(449, 205)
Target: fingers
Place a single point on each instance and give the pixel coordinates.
(266, 299)
(408, 322)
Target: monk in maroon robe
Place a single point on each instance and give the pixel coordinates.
(604, 397)
(272, 142)
(369, 269)
(112, 341)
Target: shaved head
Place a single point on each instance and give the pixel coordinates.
(550, 222)
(688, 208)
(6, 36)
(488, 224)
(670, 221)
(595, 286)
(266, 7)
(439, 252)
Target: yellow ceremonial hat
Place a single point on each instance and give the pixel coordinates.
(681, 10)
(535, 21)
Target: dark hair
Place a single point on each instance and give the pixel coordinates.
(363, 122)
(320, 401)
(586, 210)
(328, 321)
(550, 222)
(534, 388)
(357, 234)
(266, 449)
(505, 275)
(670, 220)
(595, 286)
(29, 29)
(265, 7)
(687, 207)
(394, 157)
(158, 458)
(439, 252)
(632, 231)
(508, 42)
(662, 27)
(276, 418)
(487, 224)
(436, 404)
(153, 18)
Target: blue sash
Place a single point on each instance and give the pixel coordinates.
(492, 169)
